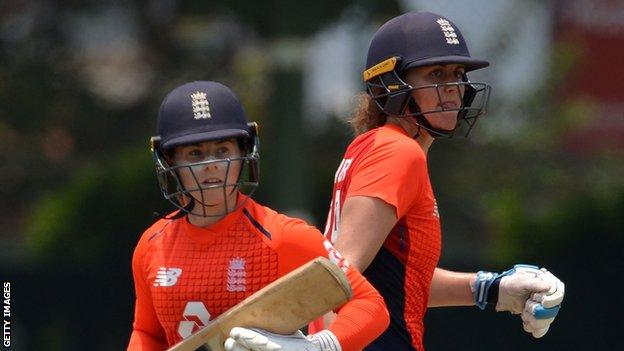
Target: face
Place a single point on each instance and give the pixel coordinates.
(212, 181)
(440, 98)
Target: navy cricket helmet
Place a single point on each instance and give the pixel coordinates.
(418, 39)
(197, 112)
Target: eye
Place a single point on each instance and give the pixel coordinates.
(223, 152)
(194, 152)
(437, 73)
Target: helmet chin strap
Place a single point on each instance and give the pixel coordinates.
(413, 110)
(405, 119)
(225, 203)
(188, 208)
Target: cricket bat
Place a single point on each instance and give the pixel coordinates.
(282, 307)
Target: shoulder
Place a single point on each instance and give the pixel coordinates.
(295, 241)
(280, 230)
(391, 150)
(152, 234)
(392, 141)
(277, 225)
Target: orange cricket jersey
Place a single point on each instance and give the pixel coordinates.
(186, 275)
(388, 164)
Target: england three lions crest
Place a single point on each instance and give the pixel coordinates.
(236, 275)
(201, 107)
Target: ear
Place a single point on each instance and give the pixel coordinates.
(243, 146)
(168, 156)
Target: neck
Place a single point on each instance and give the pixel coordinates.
(213, 214)
(201, 221)
(424, 139)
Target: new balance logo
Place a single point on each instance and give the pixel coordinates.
(236, 275)
(167, 276)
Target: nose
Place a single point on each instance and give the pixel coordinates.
(451, 86)
(454, 90)
(214, 165)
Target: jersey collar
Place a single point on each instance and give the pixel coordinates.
(207, 235)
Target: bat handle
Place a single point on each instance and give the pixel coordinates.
(541, 312)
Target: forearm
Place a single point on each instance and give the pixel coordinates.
(363, 318)
(451, 289)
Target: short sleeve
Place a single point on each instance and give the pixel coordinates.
(394, 171)
(299, 244)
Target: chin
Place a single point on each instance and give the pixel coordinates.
(444, 120)
(215, 197)
(208, 197)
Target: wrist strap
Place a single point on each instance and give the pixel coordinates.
(486, 289)
(492, 296)
(486, 286)
(326, 340)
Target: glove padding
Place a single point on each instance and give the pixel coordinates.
(534, 293)
(542, 307)
(243, 339)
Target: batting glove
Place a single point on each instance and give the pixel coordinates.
(243, 339)
(534, 293)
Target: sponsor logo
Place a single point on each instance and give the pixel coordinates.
(167, 276)
(196, 316)
(382, 67)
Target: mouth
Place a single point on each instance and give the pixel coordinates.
(212, 181)
(448, 105)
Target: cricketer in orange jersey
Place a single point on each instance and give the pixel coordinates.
(187, 275)
(383, 216)
(221, 246)
(387, 164)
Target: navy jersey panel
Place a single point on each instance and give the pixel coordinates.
(387, 274)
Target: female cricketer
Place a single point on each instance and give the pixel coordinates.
(220, 246)
(384, 217)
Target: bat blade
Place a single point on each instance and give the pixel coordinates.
(282, 307)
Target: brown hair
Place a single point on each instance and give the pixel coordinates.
(367, 115)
